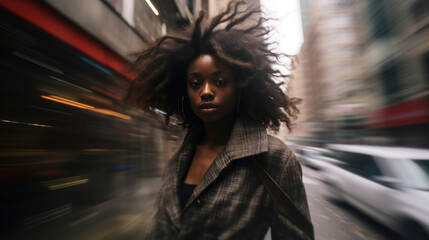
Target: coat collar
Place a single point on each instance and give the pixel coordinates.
(247, 138)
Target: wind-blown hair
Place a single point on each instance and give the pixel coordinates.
(235, 37)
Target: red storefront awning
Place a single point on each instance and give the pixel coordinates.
(48, 20)
(414, 111)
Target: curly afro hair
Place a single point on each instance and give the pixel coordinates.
(237, 37)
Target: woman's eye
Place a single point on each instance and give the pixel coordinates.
(194, 84)
(220, 83)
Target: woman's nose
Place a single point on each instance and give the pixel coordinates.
(207, 93)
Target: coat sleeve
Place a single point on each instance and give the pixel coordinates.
(291, 182)
(160, 227)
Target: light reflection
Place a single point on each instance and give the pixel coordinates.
(42, 64)
(152, 7)
(84, 106)
(111, 113)
(84, 219)
(67, 101)
(71, 84)
(47, 216)
(29, 124)
(64, 182)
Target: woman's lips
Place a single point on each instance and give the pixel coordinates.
(208, 107)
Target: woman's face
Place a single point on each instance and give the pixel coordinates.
(211, 88)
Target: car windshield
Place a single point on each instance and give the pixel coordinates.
(415, 173)
(312, 154)
(334, 157)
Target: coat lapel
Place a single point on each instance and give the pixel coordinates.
(247, 138)
(177, 169)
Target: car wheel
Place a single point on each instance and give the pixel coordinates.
(335, 193)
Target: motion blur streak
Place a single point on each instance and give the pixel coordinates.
(112, 113)
(38, 62)
(64, 182)
(84, 219)
(67, 101)
(76, 162)
(84, 106)
(47, 216)
(84, 89)
(152, 7)
(30, 124)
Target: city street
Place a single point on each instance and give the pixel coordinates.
(98, 96)
(334, 220)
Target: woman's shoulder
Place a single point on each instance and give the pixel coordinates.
(279, 155)
(277, 146)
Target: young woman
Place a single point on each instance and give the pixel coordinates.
(217, 77)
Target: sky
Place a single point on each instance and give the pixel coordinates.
(288, 28)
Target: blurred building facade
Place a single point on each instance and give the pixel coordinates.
(129, 25)
(125, 26)
(213, 7)
(397, 53)
(329, 75)
(69, 142)
(363, 72)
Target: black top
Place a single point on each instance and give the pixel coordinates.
(186, 192)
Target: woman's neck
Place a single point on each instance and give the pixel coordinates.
(217, 133)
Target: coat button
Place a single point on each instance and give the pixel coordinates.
(198, 202)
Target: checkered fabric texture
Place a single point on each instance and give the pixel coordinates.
(230, 201)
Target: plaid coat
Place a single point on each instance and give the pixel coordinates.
(230, 201)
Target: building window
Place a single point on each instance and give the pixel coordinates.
(390, 80)
(380, 23)
(420, 10)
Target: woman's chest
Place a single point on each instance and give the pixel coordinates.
(235, 198)
(201, 160)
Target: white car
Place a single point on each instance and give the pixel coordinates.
(311, 156)
(387, 183)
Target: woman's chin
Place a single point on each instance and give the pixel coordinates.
(215, 118)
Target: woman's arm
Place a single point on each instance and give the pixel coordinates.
(291, 182)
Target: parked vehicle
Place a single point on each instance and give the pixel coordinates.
(312, 157)
(389, 184)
